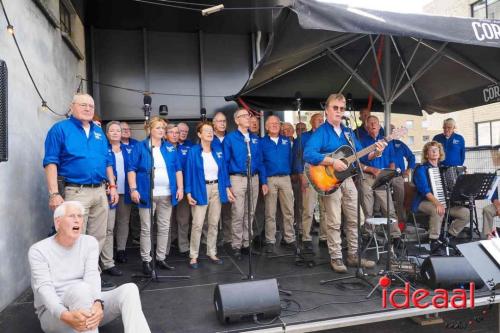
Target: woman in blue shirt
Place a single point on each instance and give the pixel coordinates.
(427, 203)
(167, 189)
(207, 186)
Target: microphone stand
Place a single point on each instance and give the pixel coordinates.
(154, 275)
(250, 275)
(360, 274)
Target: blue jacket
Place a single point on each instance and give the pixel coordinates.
(182, 151)
(402, 152)
(140, 163)
(494, 196)
(195, 175)
(383, 161)
(131, 143)
(298, 167)
(235, 152)
(325, 140)
(361, 132)
(126, 161)
(217, 143)
(421, 181)
(277, 158)
(454, 149)
(79, 159)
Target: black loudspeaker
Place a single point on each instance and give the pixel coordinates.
(4, 143)
(449, 273)
(233, 301)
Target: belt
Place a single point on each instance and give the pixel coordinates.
(279, 176)
(83, 185)
(241, 174)
(210, 182)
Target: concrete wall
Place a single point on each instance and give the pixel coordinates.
(24, 214)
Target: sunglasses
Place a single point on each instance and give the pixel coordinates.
(337, 108)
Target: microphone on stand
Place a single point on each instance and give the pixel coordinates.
(203, 114)
(249, 152)
(147, 106)
(348, 104)
(298, 100)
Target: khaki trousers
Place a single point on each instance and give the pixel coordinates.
(309, 198)
(460, 215)
(180, 225)
(489, 212)
(279, 188)
(239, 209)
(398, 197)
(212, 212)
(344, 200)
(96, 207)
(297, 205)
(122, 223)
(118, 217)
(322, 220)
(226, 222)
(163, 208)
(370, 197)
(124, 301)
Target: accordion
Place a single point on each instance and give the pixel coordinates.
(443, 181)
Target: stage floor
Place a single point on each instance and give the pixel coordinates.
(187, 305)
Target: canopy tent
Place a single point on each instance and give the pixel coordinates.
(405, 62)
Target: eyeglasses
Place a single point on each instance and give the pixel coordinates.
(172, 132)
(183, 131)
(246, 115)
(125, 129)
(337, 108)
(84, 105)
(220, 121)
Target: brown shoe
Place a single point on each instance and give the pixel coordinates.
(352, 261)
(338, 265)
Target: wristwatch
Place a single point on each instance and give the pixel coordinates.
(53, 194)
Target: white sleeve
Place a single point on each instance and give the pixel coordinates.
(91, 274)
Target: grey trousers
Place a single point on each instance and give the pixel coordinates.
(124, 301)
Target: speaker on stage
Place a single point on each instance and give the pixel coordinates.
(4, 144)
(449, 273)
(233, 301)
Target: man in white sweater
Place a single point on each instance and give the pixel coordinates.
(67, 285)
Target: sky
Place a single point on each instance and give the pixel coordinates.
(402, 6)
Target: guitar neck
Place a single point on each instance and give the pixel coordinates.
(366, 151)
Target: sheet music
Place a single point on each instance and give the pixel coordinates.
(492, 248)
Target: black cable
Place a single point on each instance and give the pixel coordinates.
(188, 3)
(168, 5)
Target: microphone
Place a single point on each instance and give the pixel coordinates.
(247, 141)
(147, 106)
(346, 118)
(298, 100)
(348, 104)
(203, 113)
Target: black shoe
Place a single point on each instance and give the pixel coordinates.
(184, 254)
(164, 265)
(245, 250)
(437, 248)
(121, 257)
(237, 254)
(452, 241)
(323, 243)
(113, 271)
(269, 248)
(146, 268)
(292, 246)
(307, 246)
(107, 285)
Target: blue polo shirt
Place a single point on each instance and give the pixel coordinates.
(325, 140)
(298, 167)
(421, 181)
(402, 152)
(79, 159)
(187, 142)
(195, 175)
(182, 150)
(277, 157)
(140, 163)
(454, 149)
(383, 161)
(362, 133)
(235, 152)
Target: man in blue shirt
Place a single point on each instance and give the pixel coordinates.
(361, 131)
(126, 139)
(401, 153)
(236, 145)
(453, 144)
(372, 170)
(489, 212)
(77, 150)
(277, 158)
(328, 138)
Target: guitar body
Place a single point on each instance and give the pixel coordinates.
(324, 179)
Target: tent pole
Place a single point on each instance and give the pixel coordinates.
(388, 83)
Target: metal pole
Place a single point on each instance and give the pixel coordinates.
(388, 79)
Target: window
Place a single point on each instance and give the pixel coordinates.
(64, 18)
(425, 138)
(411, 140)
(409, 124)
(425, 124)
(486, 9)
(488, 133)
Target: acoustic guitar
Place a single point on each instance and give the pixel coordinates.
(325, 180)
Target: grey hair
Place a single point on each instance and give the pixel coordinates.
(114, 122)
(75, 97)
(450, 121)
(60, 211)
(273, 116)
(182, 124)
(236, 114)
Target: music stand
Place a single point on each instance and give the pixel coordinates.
(384, 179)
(472, 187)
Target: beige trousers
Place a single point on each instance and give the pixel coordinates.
(239, 209)
(96, 207)
(460, 215)
(309, 198)
(398, 197)
(118, 217)
(489, 212)
(180, 225)
(163, 208)
(212, 212)
(279, 188)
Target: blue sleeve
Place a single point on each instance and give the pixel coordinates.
(225, 171)
(410, 157)
(312, 149)
(421, 182)
(364, 159)
(261, 166)
(178, 163)
(435, 138)
(392, 153)
(189, 172)
(291, 157)
(135, 157)
(494, 196)
(53, 145)
(296, 168)
(226, 147)
(462, 151)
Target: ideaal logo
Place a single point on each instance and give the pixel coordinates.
(441, 299)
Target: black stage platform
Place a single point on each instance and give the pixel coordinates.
(187, 305)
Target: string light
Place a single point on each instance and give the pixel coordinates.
(10, 29)
(44, 107)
